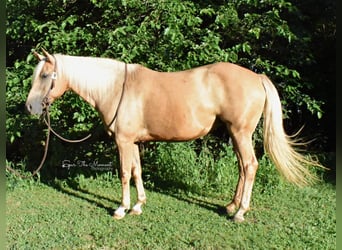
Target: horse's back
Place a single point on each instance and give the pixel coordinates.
(224, 78)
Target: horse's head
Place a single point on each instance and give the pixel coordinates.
(46, 84)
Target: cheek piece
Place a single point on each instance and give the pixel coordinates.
(45, 102)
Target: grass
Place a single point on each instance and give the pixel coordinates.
(187, 186)
(76, 213)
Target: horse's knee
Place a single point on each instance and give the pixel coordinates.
(125, 177)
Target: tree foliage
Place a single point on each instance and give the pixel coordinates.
(291, 43)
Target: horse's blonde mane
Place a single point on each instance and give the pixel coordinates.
(92, 77)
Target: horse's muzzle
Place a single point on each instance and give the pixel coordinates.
(35, 107)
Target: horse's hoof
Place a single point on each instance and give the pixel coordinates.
(136, 210)
(119, 213)
(118, 216)
(230, 209)
(238, 219)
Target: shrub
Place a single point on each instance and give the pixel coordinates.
(162, 35)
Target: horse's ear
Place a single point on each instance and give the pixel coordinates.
(49, 57)
(39, 57)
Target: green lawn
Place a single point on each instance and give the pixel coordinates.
(77, 215)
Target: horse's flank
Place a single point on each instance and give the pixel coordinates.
(184, 105)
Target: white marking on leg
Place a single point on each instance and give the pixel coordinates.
(120, 212)
(136, 210)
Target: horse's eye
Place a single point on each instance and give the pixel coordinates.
(45, 75)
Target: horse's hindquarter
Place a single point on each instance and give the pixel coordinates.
(243, 96)
(179, 106)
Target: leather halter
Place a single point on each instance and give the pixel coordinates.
(45, 101)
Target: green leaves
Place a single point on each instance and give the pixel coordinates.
(255, 31)
(271, 37)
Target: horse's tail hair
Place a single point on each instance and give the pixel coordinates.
(280, 147)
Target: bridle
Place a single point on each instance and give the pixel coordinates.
(46, 118)
(46, 106)
(45, 101)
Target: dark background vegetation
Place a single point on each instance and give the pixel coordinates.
(293, 42)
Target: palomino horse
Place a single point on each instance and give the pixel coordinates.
(139, 104)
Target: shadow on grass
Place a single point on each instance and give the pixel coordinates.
(74, 190)
(184, 193)
(210, 206)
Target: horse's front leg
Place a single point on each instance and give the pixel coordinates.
(126, 159)
(136, 171)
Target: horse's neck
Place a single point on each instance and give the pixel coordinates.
(98, 81)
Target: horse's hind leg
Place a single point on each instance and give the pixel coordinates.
(248, 166)
(136, 171)
(231, 207)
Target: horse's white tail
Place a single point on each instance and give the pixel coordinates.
(280, 147)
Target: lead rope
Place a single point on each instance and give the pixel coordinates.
(44, 156)
(48, 124)
(61, 137)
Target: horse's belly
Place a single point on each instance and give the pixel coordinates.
(182, 129)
